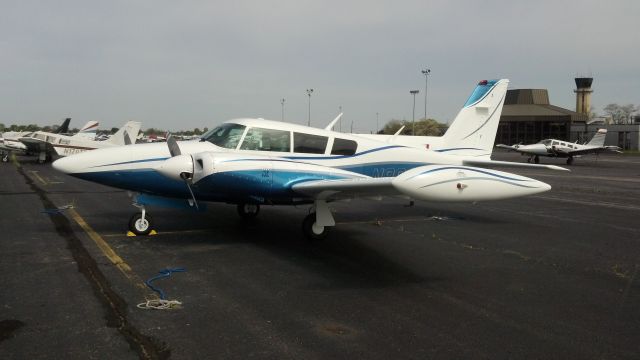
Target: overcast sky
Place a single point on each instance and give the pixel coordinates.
(185, 64)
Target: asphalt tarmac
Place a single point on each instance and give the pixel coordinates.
(553, 276)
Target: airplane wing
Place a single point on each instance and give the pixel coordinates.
(491, 163)
(508, 147)
(430, 183)
(347, 188)
(593, 150)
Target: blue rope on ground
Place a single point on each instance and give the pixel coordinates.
(163, 274)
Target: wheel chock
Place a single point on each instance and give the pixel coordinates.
(153, 232)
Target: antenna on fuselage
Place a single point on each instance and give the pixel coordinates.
(330, 126)
(392, 138)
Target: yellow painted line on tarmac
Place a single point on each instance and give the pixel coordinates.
(14, 160)
(35, 173)
(107, 250)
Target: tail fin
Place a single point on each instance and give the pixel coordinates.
(473, 131)
(88, 130)
(127, 134)
(64, 128)
(598, 138)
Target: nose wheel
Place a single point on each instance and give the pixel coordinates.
(140, 223)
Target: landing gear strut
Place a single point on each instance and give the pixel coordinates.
(248, 211)
(315, 226)
(536, 159)
(5, 157)
(141, 223)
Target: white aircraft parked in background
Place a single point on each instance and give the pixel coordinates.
(253, 162)
(563, 149)
(10, 141)
(48, 143)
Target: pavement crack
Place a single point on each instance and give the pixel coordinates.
(114, 306)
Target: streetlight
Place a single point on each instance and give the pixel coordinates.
(282, 103)
(377, 126)
(413, 122)
(426, 73)
(309, 92)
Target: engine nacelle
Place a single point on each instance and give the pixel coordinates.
(464, 183)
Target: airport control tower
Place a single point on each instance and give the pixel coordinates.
(583, 95)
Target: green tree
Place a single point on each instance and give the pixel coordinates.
(423, 127)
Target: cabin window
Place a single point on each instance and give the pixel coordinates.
(64, 142)
(226, 135)
(554, 143)
(344, 147)
(310, 144)
(266, 140)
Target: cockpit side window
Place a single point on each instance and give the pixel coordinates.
(309, 144)
(343, 147)
(225, 135)
(266, 140)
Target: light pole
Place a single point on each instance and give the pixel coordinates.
(309, 92)
(413, 122)
(282, 103)
(377, 126)
(426, 73)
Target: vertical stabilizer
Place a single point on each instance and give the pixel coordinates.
(127, 134)
(64, 128)
(598, 138)
(473, 131)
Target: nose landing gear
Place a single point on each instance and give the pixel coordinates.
(141, 223)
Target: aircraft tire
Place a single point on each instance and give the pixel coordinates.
(569, 160)
(536, 159)
(311, 231)
(248, 211)
(140, 227)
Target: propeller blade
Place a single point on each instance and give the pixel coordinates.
(174, 149)
(195, 202)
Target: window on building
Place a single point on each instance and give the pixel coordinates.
(261, 139)
(310, 144)
(343, 147)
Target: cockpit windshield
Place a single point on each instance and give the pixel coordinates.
(226, 135)
(546, 142)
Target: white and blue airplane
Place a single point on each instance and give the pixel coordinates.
(254, 162)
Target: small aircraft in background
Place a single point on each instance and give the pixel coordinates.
(254, 162)
(563, 149)
(10, 141)
(47, 144)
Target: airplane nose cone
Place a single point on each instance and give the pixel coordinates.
(175, 166)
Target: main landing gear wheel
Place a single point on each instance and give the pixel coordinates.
(536, 159)
(569, 160)
(313, 231)
(248, 211)
(140, 226)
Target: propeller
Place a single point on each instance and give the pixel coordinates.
(180, 165)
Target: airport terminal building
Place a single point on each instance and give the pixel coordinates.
(528, 117)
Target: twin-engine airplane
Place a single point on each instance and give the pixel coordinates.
(253, 162)
(563, 149)
(46, 144)
(10, 141)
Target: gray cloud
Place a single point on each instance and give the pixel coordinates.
(196, 63)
